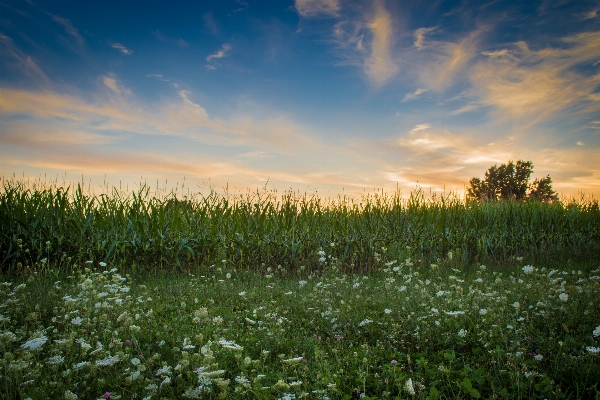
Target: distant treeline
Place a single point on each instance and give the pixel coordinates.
(63, 228)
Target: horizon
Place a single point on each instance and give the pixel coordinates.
(329, 97)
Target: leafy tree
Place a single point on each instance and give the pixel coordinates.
(511, 182)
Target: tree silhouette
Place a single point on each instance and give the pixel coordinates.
(511, 182)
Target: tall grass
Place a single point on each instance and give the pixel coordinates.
(51, 226)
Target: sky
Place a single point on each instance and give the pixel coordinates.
(326, 96)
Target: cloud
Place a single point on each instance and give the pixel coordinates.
(78, 47)
(112, 84)
(211, 23)
(412, 96)
(420, 127)
(580, 143)
(448, 61)
(317, 8)
(419, 36)
(540, 84)
(24, 62)
(121, 48)
(219, 54)
(466, 108)
(380, 66)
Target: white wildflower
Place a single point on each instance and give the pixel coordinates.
(55, 360)
(596, 331)
(563, 297)
(77, 321)
(34, 344)
(462, 333)
(292, 360)
(528, 269)
(593, 350)
(409, 385)
(108, 361)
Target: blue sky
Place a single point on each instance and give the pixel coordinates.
(310, 95)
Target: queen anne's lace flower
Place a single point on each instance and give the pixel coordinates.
(34, 344)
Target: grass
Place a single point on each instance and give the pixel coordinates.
(266, 297)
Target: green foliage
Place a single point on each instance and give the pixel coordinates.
(405, 331)
(55, 227)
(511, 182)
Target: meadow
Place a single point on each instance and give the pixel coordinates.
(268, 296)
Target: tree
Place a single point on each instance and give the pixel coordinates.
(511, 182)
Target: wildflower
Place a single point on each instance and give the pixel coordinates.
(516, 305)
(80, 365)
(294, 360)
(483, 311)
(70, 395)
(402, 288)
(102, 264)
(454, 313)
(55, 360)
(365, 322)
(462, 333)
(563, 297)
(77, 321)
(387, 311)
(34, 344)
(538, 357)
(302, 283)
(242, 380)
(528, 269)
(109, 361)
(409, 385)
(593, 350)
(394, 362)
(596, 331)
(107, 394)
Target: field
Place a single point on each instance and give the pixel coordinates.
(288, 296)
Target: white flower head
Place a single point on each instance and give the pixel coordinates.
(409, 387)
(596, 331)
(593, 350)
(563, 297)
(528, 269)
(462, 333)
(34, 344)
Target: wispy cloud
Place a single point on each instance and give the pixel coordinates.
(111, 83)
(419, 36)
(121, 48)
(420, 127)
(317, 8)
(221, 53)
(414, 95)
(22, 61)
(448, 61)
(367, 41)
(78, 46)
(380, 65)
(539, 84)
(465, 108)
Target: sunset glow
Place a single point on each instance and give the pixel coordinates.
(330, 96)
